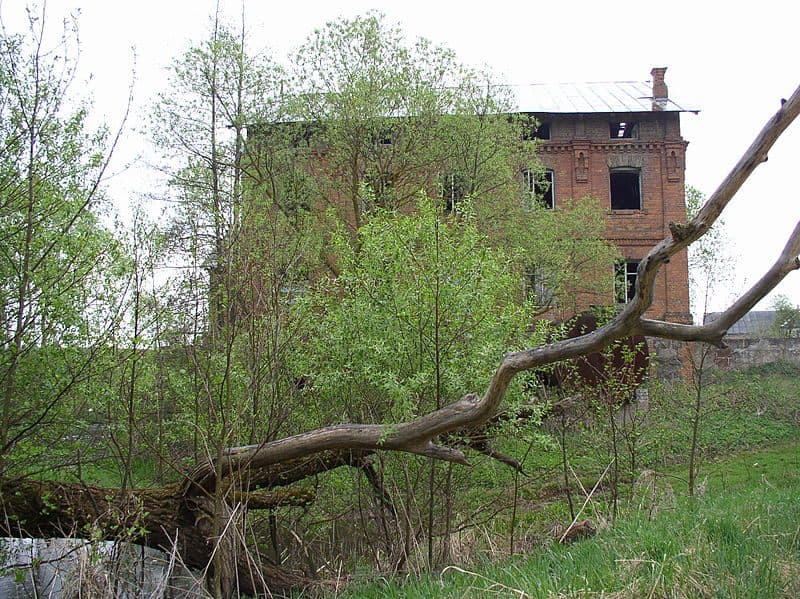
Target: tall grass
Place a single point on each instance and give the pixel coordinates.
(740, 539)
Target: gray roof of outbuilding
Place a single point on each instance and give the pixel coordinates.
(753, 324)
(598, 97)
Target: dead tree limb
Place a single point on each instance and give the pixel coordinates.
(418, 436)
(180, 514)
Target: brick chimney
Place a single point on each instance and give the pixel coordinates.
(660, 93)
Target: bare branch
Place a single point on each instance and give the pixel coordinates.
(416, 436)
(714, 332)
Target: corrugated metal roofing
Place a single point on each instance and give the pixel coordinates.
(755, 323)
(608, 96)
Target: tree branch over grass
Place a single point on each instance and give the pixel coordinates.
(181, 513)
(417, 436)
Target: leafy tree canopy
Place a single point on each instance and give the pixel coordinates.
(787, 317)
(414, 320)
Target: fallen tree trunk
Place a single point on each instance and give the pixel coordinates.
(417, 436)
(168, 518)
(179, 515)
(161, 518)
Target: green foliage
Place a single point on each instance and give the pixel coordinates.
(419, 316)
(241, 226)
(395, 118)
(252, 342)
(787, 318)
(710, 262)
(562, 252)
(771, 373)
(61, 271)
(739, 411)
(732, 542)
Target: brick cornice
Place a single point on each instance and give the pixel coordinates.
(610, 146)
(555, 148)
(617, 147)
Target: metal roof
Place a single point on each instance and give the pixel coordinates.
(756, 323)
(598, 97)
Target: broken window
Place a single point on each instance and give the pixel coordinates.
(625, 280)
(539, 185)
(454, 189)
(384, 137)
(626, 189)
(623, 130)
(535, 130)
(304, 135)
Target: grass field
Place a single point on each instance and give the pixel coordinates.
(738, 537)
(741, 538)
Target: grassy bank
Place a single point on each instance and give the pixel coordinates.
(741, 538)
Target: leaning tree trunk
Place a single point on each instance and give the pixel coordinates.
(180, 515)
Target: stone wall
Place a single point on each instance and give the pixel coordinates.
(670, 363)
(742, 353)
(68, 568)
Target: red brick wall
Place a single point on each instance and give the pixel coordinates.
(580, 153)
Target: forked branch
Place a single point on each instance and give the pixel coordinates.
(417, 436)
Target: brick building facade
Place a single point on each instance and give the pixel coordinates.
(621, 144)
(617, 142)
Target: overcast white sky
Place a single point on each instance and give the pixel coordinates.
(733, 60)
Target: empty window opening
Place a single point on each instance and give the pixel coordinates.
(626, 192)
(454, 189)
(535, 130)
(539, 185)
(623, 129)
(385, 137)
(625, 280)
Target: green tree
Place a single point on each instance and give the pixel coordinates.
(60, 268)
(245, 255)
(710, 263)
(710, 266)
(787, 317)
(394, 117)
(410, 319)
(414, 319)
(216, 88)
(374, 128)
(372, 119)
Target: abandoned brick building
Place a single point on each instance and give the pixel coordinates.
(618, 142)
(621, 143)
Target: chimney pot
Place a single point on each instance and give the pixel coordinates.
(660, 94)
(659, 87)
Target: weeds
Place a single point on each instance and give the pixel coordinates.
(740, 540)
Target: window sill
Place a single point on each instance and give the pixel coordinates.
(627, 212)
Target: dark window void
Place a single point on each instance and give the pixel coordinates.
(454, 189)
(300, 135)
(540, 186)
(534, 130)
(625, 280)
(385, 137)
(626, 192)
(623, 130)
(380, 183)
